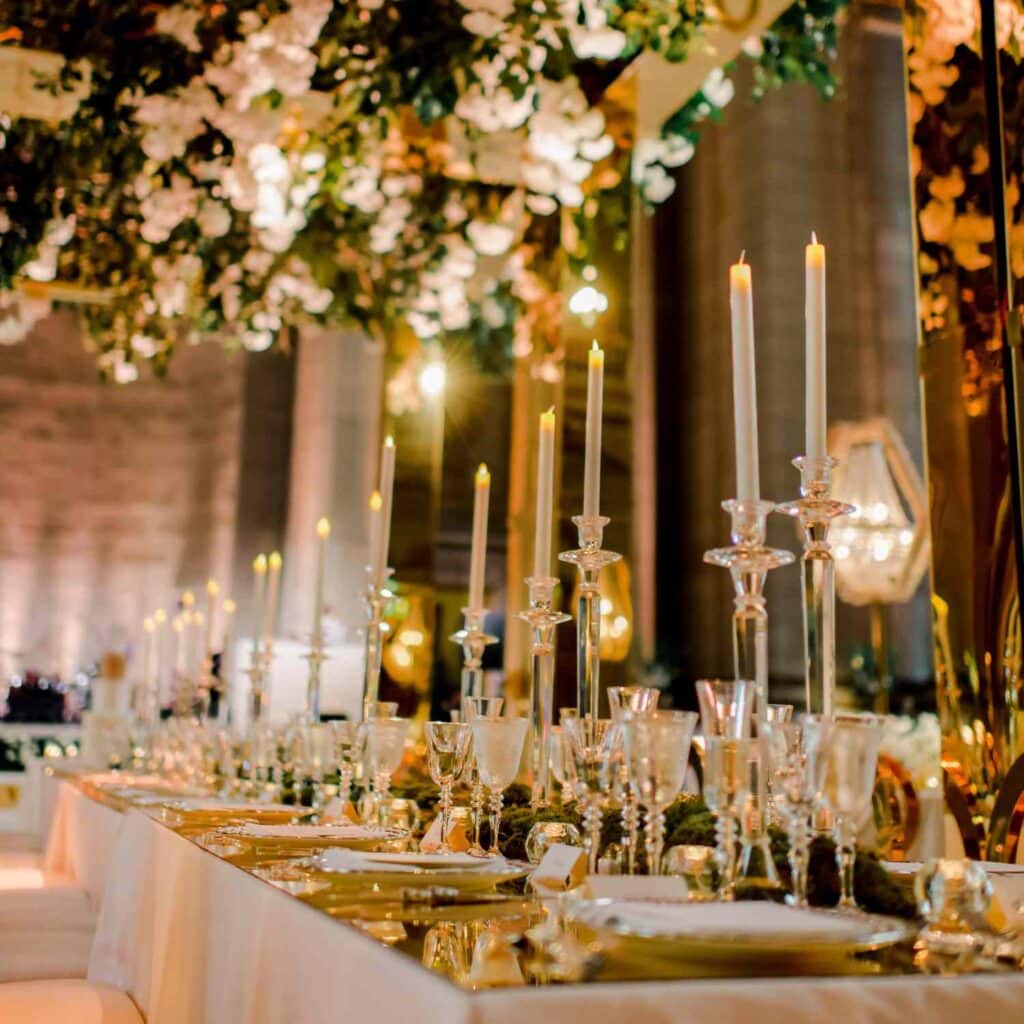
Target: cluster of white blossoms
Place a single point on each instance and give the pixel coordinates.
(57, 233)
(653, 157)
(19, 313)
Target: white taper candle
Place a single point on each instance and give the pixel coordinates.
(744, 386)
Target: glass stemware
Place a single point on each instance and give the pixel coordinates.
(849, 786)
(478, 707)
(587, 738)
(726, 792)
(499, 749)
(385, 747)
(562, 766)
(726, 707)
(799, 753)
(347, 740)
(621, 701)
(447, 746)
(657, 747)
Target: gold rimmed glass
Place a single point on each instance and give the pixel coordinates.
(478, 707)
(588, 742)
(385, 748)
(447, 746)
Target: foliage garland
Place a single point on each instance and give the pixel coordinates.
(239, 166)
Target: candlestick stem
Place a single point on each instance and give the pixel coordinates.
(316, 658)
(374, 598)
(814, 512)
(589, 559)
(542, 619)
(749, 562)
(473, 641)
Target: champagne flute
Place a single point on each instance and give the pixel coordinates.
(621, 700)
(800, 758)
(499, 749)
(348, 740)
(478, 707)
(727, 792)
(591, 754)
(385, 748)
(849, 786)
(447, 746)
(726, 707)
(657, 747)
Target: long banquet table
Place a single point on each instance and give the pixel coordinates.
(195, 938)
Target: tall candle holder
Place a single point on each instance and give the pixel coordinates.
(257, 673)
(543, 619)
(473, 641)
(374, 599)
(316, 657)
(814, 512)
(749, 562)
(589, 559)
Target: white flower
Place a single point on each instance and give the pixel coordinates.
(658, 185)
(19, 313)
(489, 239)
(125, 372)
(213, 219)
(718, 90)
(753, 47)
(145, 345)
(165, 208)
(257, 341)
(180, 23)
(56, 234)
(172, 120)
(541, 205)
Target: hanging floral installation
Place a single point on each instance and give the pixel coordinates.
(237, 167)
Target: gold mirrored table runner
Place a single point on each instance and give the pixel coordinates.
(476, 938)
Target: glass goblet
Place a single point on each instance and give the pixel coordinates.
(591, 757)
(657, 746)
(478, 707)
(799, 753)
(632, 698)
(726, 792)
(849, 785)
(499, 749)
(385, 747)
(447, 746)
(726, 707)
(348, 741)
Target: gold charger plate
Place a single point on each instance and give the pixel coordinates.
(370, 881)
(747, 933)
(315, 840)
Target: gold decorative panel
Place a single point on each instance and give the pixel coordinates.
(963, 66)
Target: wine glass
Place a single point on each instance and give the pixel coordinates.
(621, 700)
(385, 747)
(726, 707)
(657, 747)
(562, 765)
(632, 698)
(347, 740)
(799, 753)
(447, 746)
(587, 738)
(478, 707)
(849, 785)
(499, 749)
(727, 791)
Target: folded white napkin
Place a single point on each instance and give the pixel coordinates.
(213, 805)
(711, 920)
(353, 860)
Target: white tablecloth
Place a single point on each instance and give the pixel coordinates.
(82, 839)
(193, 939)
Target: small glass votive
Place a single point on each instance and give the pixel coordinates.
(693, 864)
(550, 833)
(953, 897)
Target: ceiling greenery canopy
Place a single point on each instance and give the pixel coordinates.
(236, 167)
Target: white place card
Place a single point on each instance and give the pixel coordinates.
(636, 887)
(562, 867)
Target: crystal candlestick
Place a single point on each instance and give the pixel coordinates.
(589, 559)
(814, 512)
(473, 641)
(375, 598)
(316, 658)
(542, 619)
(258, 672)
(749, 561)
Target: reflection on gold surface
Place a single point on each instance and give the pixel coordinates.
(968, 417)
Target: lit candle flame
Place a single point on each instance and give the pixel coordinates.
(323, 528)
